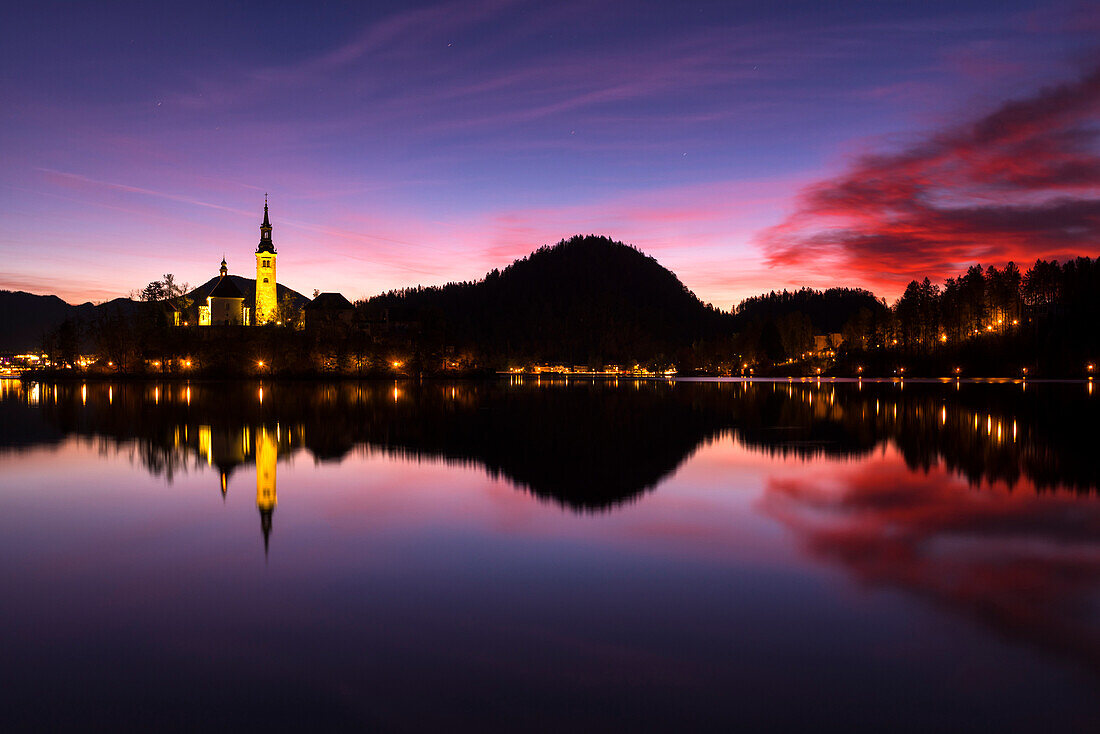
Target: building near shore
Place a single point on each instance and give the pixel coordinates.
(224, 304)
(329, 309)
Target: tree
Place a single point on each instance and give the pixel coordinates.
(972, 299)
(795, 334)
(153, 292)
(288, 312)
(1041, 283)
(166, 289)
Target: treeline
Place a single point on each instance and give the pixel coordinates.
(998, 301)
(988, 321)
(998, 321)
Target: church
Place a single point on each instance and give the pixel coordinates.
(232, 301)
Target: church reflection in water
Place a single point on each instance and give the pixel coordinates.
(227, 450)
(587, 446)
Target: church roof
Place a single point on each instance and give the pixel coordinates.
(226, 288)
(329, 302)
(247, 286)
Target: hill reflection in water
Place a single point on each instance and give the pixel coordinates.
(586, 445)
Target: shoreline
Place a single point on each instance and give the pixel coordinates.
(63, 377)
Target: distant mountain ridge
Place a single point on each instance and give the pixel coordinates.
(26, 317)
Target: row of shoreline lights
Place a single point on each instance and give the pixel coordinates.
(1090, 368)
(260, 363)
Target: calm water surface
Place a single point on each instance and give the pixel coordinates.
(550, 556)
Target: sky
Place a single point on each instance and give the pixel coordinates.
(746, 146)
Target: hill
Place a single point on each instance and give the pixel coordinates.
(26, 317)
(586, 300)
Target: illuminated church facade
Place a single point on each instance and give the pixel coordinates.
(227, 305)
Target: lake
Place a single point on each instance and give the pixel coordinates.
(550, 555)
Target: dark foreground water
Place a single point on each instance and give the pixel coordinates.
(537, 556)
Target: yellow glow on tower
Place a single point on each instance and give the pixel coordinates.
(266, 297)
(267, 452)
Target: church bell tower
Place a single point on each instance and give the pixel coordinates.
(266, 300)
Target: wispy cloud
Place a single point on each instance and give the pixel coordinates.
(76, 179)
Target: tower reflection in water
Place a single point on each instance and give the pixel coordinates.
(267, 452)
(228, 449)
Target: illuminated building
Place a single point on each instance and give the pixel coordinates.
(266, 301)
(225, 303)
(231, 300)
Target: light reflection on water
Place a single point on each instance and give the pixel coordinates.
(643, 554)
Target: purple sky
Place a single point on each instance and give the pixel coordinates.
(746, 146)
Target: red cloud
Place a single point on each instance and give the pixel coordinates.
(1019, 183)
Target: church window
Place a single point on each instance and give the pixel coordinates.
(265, 280)
(267, 264)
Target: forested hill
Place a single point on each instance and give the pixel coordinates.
(586, 300)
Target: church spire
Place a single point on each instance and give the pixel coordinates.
(265, 233)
